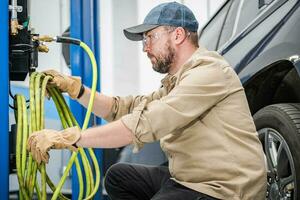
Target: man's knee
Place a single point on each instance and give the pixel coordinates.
(114, 175)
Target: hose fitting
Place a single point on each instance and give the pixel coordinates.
(43, 38)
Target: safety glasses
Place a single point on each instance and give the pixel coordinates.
(153, 37)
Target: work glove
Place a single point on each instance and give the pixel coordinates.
(69, 84)
(40, 142)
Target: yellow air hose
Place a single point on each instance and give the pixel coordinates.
(27, 167)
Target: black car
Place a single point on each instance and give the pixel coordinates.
(261, 40)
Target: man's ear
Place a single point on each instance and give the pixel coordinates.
(180, 35)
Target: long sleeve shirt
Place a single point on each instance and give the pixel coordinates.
(202, 119)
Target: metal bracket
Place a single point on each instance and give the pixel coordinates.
(17, 8)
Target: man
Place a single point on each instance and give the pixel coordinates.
(200, 115)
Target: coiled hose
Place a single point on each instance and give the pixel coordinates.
(27, 168)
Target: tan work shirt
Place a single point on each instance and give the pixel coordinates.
(202, 119)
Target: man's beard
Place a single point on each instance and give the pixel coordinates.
(164, 62)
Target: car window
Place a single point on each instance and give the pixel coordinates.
(209, 35)
(249, 11)
(264, 2)
(228, 26)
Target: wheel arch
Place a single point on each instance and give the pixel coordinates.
(278, 82)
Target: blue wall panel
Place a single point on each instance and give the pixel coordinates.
(4, 141)
(84, 26)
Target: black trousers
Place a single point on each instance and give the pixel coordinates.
(141, 182)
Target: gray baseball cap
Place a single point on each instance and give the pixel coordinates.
(165, 14)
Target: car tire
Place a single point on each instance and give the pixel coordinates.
(278, 128)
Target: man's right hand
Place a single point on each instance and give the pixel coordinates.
(69, 84)
(40, 142)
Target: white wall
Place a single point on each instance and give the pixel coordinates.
(125, 68)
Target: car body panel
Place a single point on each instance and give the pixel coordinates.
(270, 35)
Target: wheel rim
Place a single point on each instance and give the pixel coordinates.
(281, 168)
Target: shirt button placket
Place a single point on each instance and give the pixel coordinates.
(172, 163)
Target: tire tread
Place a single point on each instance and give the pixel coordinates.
(292, 111)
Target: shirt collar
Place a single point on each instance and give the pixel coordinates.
(169, 80)
(192, 62)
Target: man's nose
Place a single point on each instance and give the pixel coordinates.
(146, 48)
